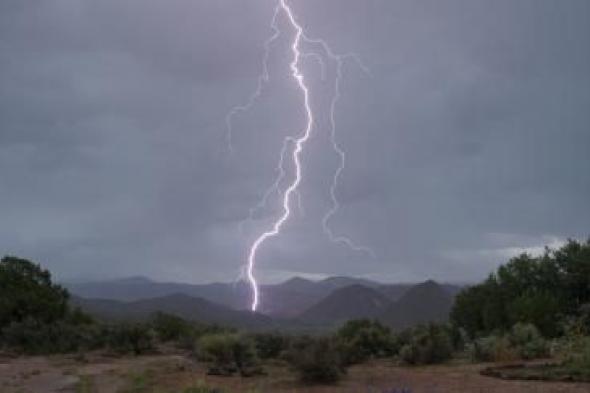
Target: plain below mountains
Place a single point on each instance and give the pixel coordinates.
(295, 303)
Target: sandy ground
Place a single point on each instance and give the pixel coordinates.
(171, 373)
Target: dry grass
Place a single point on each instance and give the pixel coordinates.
(174, 373)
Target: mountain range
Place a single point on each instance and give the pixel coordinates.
(297, 302)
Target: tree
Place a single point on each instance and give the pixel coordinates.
(538, 308)
(27, 292)
(573, 262)
(538, 290)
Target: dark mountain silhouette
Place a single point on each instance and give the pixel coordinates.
(351, 302)
(283, 300)
(332, 283)
(292, 297)
(298, 284)
(136, 288)
(287, 300)
(425, 302)
(184, 306)
(453, 289)
(415, 304)
(394, 291)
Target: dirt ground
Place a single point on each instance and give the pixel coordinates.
(172, 373)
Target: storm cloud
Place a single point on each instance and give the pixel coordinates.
(466, 143)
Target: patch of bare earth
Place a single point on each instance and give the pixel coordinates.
(97, 373)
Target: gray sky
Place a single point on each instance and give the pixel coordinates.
(467, 143)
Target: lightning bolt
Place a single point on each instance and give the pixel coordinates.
(296, 145)
(339, 59)
(299, 143)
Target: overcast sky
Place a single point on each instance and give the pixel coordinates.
(466, 143)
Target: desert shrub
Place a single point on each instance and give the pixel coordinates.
(228, 353)
(190, 340)
(33, 337)
(527, 341)
(492, 349)
(458, 336)
(359, 340)
(522, 342)
(576, 325)
(172, 328)
(270, 345)
(216, 349)
(426, 345)
(316, 360)
(574, 347)
(578, 358)
(483, 349)
(584, 318)
(135, 338)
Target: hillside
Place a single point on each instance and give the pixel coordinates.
(394, 291)
(323, 301)
(351, 302)
(136, 288)
(425, 302)
(184, 306)
(283, 300)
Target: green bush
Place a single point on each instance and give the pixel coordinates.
(190, 340)
(584, 318)
(522, 342)
(136, 338)
(527, 341)
(362, 339)
(426, 345)
(316, 360)
(492, 349)
(228, 353)
(33, 337)
(270, 345)
(482, 349)
(172, 328)
(578, 358)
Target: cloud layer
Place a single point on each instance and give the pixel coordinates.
(468, 141)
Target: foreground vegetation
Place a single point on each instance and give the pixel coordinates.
(531, 308)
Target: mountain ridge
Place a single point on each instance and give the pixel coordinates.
(288, 300)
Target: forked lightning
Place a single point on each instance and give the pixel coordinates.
(297, 143)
